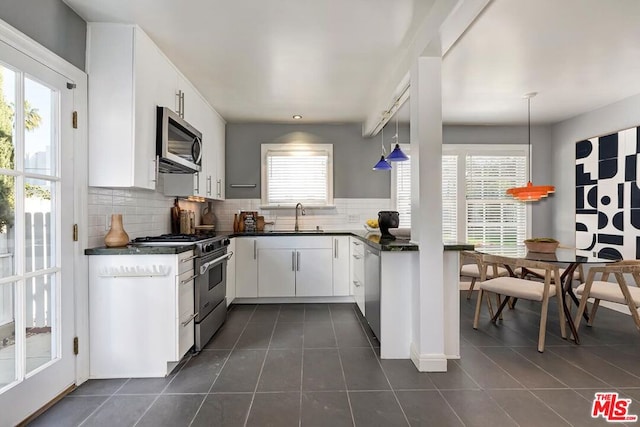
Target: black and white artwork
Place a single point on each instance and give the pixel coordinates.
(607, 194)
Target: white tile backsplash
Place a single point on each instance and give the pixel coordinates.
(336, 218)
(147, 213)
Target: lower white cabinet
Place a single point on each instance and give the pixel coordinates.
(357, 273)
(295, 266)
(276, 273)
(341, 266)
(231, 273)
(246, 267)
(141, 313)
(314, 276)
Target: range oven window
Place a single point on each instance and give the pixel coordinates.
(215, 275)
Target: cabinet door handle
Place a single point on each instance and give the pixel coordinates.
(298, 261)
(293, 260)
(197, 189)
(182, 282)
(209, 185)
(357, 256)
(178, 106)
(219, 188)
(355, 282)
(357, 244)
(190, 319)
(255, 249)
(182, 104)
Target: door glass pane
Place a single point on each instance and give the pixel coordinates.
(7, 335)
(7, 225)
(39, 138)
(39, 231)
(7, 117)
(40, 327)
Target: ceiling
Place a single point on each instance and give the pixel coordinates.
(264, 61)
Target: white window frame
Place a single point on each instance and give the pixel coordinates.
(461, 151)
(406, 149)
(293, 149)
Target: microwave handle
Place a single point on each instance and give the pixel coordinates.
(196, 141)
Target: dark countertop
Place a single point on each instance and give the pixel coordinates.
(139, 250)
(371, 238)
(400, 244)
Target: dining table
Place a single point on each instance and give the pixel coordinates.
(568, 258)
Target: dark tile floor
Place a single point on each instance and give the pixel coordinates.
(317, 365)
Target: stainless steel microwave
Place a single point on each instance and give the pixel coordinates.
(178, 144)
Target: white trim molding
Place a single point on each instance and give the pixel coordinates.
(428, 362)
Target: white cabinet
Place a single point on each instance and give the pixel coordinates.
(141, 311)
(314, 273)
(341, 266)
(295, 266)
(357, 273)
(231, 272)
(276, 273)
(246, 267)
(128, 78)
(209, 182)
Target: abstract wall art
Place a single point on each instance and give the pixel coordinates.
(607, 194)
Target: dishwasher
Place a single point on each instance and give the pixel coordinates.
(372, 289)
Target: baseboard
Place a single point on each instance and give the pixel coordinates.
(428, 362)
(293, 300)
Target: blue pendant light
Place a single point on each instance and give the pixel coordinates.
(397, 155)
(382, 165)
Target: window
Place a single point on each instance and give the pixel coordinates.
(482, 213)
(293, 173)
(401, 187)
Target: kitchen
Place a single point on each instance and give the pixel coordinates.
(356, 198)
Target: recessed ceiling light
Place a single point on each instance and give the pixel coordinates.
(297, 116)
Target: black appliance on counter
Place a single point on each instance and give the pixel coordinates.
(387, 220)
(210, 279)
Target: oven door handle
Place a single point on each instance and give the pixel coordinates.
(205, 267)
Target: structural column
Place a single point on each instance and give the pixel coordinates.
(428, 314)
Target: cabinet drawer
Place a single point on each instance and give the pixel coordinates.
(185, 295)
(357, 247)
(295, 242)
(357, 262)
(185, 262)
(186, 335)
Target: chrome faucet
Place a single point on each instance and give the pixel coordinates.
(296, 228)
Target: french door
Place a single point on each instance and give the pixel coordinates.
(36, 249)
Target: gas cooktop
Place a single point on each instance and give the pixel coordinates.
(174, 238)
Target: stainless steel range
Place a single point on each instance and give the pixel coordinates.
(210, 281)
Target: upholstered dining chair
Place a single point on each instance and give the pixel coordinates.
(517, 287)
(473, 267)
(618, 291)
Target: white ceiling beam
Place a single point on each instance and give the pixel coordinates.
(444, 25)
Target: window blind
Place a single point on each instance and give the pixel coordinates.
(492, 216)
(450, 198)
(297, 176)
(403, 191)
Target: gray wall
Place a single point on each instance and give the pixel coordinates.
(564, 135)
(353, 157)
(51, 23)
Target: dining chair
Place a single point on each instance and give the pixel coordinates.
(517, 287)
(473, 266)
(618, 291)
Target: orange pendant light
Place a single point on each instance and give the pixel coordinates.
(530, 192)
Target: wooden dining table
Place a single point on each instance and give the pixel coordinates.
(569, 258)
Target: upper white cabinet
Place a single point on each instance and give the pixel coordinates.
(128, 78)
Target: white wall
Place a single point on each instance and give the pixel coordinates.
(564, 135)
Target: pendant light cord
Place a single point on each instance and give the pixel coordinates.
(529, 127)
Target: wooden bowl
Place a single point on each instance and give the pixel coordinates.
(542, 247)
